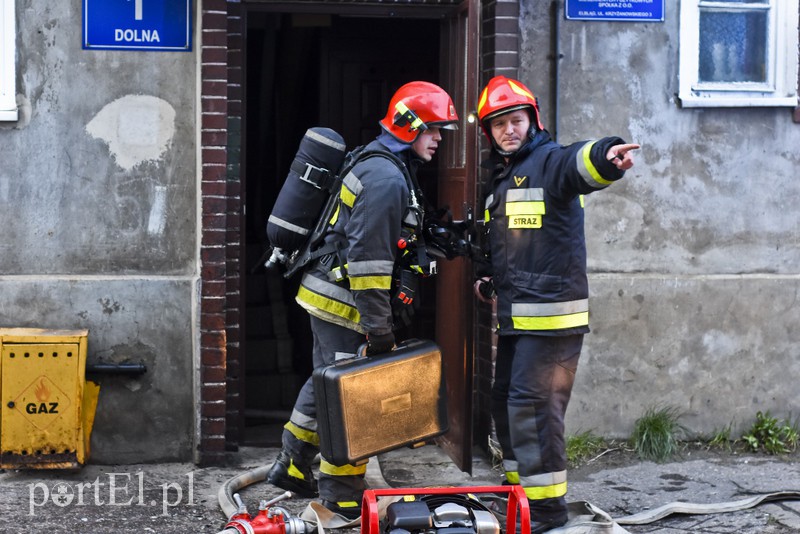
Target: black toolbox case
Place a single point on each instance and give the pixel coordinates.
(369, 405)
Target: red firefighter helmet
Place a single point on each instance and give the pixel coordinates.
(415, 107)
(502, 95)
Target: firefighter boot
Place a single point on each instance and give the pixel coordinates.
(541, 520)
(539, 527)
(546, 514)
(348, 510)
(285, 474)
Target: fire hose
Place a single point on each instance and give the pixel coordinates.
(269, 519)
(225, 494)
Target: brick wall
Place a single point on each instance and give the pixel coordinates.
(213, 249)
(500, 39)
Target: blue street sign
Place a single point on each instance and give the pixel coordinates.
(632, 10)
(137, 25)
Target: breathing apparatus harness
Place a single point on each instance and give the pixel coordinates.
(414, 260)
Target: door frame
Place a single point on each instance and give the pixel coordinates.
(463, 81)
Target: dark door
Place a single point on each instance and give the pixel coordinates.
(361, 70)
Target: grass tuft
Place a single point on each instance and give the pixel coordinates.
(655, 434)
(772, 435)
(582, 446)
(721, 438)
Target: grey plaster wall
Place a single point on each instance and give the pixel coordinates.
(694, 259)
(98, 181)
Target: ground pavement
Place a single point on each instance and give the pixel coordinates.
(182, 498)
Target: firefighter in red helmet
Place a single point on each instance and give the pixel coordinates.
(534, 219)
(352, 293)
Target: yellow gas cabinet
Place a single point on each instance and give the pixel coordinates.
(47, 406)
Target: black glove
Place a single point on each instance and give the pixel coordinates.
(379, 343)
(484, 289)
(404, 300)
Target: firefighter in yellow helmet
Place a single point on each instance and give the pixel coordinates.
(534, 217)
(352, 293)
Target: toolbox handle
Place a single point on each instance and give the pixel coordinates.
(361, 352)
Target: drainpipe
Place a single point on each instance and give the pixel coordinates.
(555, 57)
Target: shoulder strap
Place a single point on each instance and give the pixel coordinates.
(421, 259)
(361, 154)
(310, 250)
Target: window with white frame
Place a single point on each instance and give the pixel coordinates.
(8, 100)
(738, 53)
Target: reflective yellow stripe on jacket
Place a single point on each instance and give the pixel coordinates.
(587, 170)
(370, 274)
(550, 315)
(351, 187)
(328, 297)
(528, 201)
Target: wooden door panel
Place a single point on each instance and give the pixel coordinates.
(458, 170)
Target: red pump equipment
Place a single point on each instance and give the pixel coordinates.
(517, 504)
(269, 519)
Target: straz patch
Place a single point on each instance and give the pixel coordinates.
(525, 221)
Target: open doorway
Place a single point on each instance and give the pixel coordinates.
(304, 70)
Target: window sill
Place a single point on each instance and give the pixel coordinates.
(734, 102)
(10, 115)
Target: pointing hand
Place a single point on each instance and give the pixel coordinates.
(619, 155)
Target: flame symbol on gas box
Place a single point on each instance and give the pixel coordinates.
(42, 392)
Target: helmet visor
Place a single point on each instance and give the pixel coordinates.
(445, 125)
